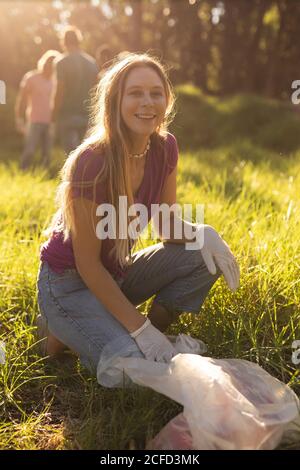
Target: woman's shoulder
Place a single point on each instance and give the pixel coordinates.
(171, 149)
(29, 77)
(166, 140)
(88, 164)
(171, 139)
(88, 177)
(91, 155)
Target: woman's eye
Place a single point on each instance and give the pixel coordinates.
(140, 93)
(136, 93)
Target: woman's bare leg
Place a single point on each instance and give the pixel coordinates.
(159, 317)
(54, 346)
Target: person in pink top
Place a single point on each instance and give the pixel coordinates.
(33, 109)
(90, 281)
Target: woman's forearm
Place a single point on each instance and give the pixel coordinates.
(103, 286)
(176, 230)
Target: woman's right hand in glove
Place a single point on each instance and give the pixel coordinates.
(154, 345)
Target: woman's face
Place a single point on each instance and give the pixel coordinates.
(144, 102)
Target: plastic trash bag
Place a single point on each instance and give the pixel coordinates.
(175, 435)
(231, 404)
(110, 372)
(228, 403)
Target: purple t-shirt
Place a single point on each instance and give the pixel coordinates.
(159, 164)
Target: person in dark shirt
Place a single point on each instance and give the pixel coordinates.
(104, 57)
(76, 75)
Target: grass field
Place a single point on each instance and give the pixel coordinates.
(241, 158)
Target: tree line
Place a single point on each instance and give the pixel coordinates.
(223, 47)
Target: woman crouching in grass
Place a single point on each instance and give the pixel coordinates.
(89, 287)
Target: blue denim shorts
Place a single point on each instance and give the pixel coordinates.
(177, 277)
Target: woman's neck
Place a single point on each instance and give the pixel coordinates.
(138, 145)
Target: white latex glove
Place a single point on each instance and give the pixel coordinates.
(215, 251)
(154, 345)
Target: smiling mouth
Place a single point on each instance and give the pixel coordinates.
(145, 117)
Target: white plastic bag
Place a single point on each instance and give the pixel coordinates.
(175, 435)
(228, 403)
(110, 372)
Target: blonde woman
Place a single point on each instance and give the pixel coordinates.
(34, 100)
(89, 287)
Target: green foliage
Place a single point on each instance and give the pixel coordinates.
(228, 47)
(211, 122)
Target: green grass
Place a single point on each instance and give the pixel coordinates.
(245, 168)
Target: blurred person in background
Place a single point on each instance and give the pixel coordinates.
(104, 57)
(33, 109)
(76, 74)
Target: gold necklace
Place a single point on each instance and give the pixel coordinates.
(140, 155)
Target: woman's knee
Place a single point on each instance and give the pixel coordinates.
(89, 333)
(187, 257)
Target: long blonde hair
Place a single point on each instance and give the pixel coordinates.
(49, 56)
(107, 133)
